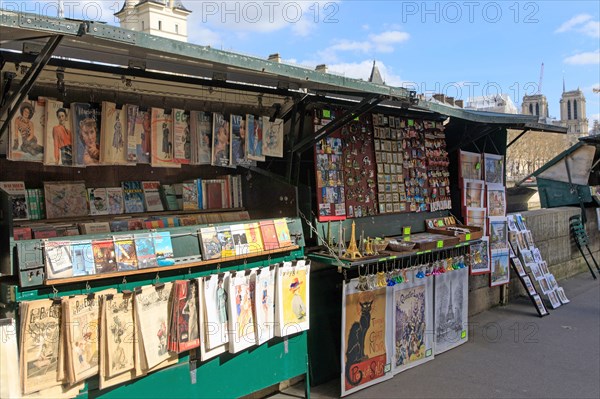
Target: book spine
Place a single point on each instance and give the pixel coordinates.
(200, 193)
(41, 203)
(32, 205)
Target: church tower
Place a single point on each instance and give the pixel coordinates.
(166, 18)
(536, 104)
(572, 113)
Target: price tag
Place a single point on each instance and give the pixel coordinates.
(477, 166)
(406, 230)
(440, 244)
(326, 114)
(407, 238)
(468, 236)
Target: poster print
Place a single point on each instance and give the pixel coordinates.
(476, 217)
(500, 268)
(205, 328)
(412, 322)
(470, 165)
(215, 309)
(496, 200)
(272, 137)
(242, 332)
(264, 304)
(27, 132)
(365, 356)
(113, 149)
(473, 193)
(152, 318)
(451, 310)
(39, 344)
(498, 229)
(292, 300)
(480, 260)
(493, 168)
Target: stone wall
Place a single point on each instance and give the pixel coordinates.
(552, 235)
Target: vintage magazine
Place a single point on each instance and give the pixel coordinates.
(242, 332)
(118, 338)
(221, 140)
(116, 204)
(365, 354)
(238, 140)
(98, 201)
(104, 256)
(27, 132)
(201, 126)
(292, 299)
(254, 237)
(181, 137)
(113, 149)
(240, 240)
(215, 307)
(125, 253)
(18, 198)
(205, 328)
(58, 256)
(39, 344)
(412, 322)
(264, 304)
(65, 199)
(226, 240)
(144, 248)
(133, 196)
(283, 233)
(85, 119)
(162, 140)
(58, 141)
(152, 196)
(184, 321)
(451, 309)
(255, 136)
(211, 246)
(152, 318)
(138, 134)
(9, 358)
(272, 137)
(269, 235)
(82, 318)
(163, 248)
(82, 258)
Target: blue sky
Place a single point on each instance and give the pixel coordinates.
(460, 48)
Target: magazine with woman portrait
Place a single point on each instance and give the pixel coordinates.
(255, 138)
(221, 140)
(59, 137)
(205, 328)
(242, 330)
(215, 297)
(264, 304)
(292, 300)
(26, 132)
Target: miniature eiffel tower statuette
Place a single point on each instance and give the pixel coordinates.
(341, 243)
(369, 251)
(352, 251)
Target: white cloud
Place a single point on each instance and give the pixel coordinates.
(573, 22)
(587, 58)
(592, 28)
(377, 43)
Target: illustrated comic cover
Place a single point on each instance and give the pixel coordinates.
(144, 248)
(254, 237)
(104, 256)
(292, 300)
(116, 203)
(18, 198)
(58, 257)
(269, 235)
(240, 241)
(98, 201)
(152, 196)
(211, 246)
(272, 137)
(283, 233)
(226, 239)
(205, 329)
(117, 340)
(125, 254)
(65, 199)
(163, 248)
(185, 316)
(255, 138)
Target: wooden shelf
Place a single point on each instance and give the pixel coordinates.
(80, 279)
(121, 216)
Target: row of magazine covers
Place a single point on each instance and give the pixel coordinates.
(127, 252)
(121, 336)
(390, 326)
(86, 134)
(60, 199)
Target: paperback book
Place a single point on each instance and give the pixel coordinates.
(98, 201)
(144, 248)
(125, 254)
(152, 196)
(18, 198)
(163, 248)
(133, 196)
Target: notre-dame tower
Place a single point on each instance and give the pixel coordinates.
(572, 113)
(166, 18)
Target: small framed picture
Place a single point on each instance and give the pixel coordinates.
(535, 270)
(544, 267)
(479, 252)
(512, 224)
(519, 267)
(539, 304)
(521, 243)
(500, 271)
(537, 256)
(554, 301)
(544, 286)
(526, 256)
(561, 295)
(529, 285)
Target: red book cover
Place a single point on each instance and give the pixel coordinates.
(154, 223)
(46, 233)
(214, 196)
(22, 233)
(269, 235)
(104, 256)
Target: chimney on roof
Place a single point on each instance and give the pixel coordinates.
(440, 97)
(275, 57)
(459, 103)
(321, 68)
(450, 101)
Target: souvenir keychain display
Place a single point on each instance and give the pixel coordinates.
(437, 167)
(329, 172)
(415, 165)
(389, 159)
(359, 169)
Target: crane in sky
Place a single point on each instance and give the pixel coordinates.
(539, 90)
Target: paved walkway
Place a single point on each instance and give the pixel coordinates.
(512, 353)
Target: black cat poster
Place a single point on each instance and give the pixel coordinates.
(365, 352)
(451, 309)
(412, 322)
